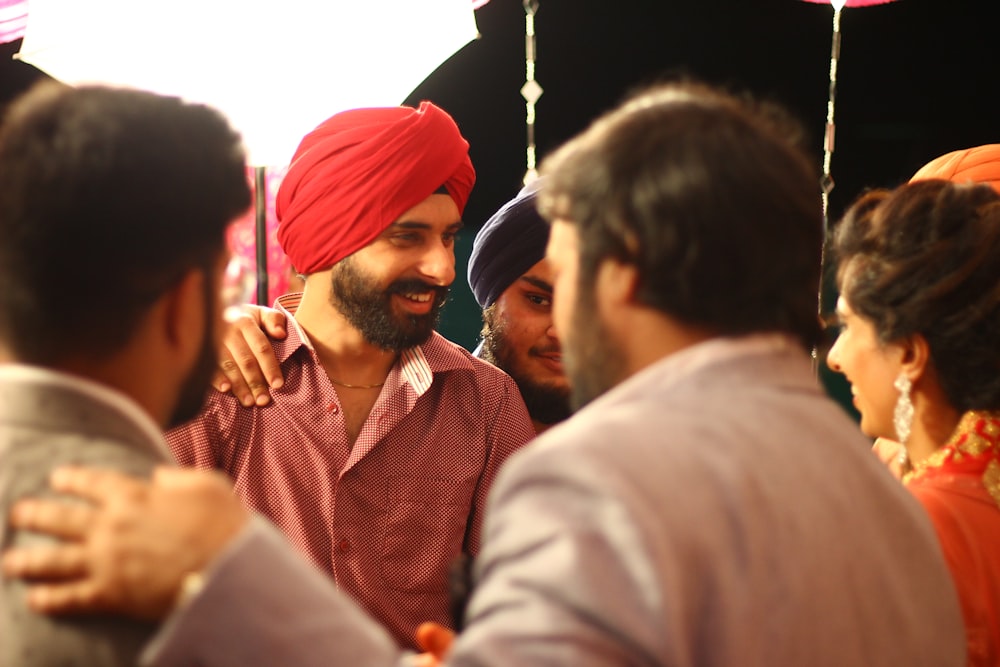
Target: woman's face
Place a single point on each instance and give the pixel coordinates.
(870, 366)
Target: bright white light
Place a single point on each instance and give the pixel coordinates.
(275, 69)
(838, 4)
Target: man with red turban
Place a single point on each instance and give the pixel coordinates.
(376, 454)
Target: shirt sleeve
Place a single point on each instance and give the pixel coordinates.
(511, 429)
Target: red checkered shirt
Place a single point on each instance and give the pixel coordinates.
(386, 517)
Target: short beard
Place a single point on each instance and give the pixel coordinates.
(368, 307)
(593, 362)
(192, 393)
(546, 404)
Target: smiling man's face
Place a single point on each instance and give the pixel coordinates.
(392, 290)
(519, 338)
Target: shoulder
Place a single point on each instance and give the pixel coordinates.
(953, 502)
(453, 362)
(217, 406)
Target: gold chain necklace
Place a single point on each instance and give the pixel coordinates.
(356, 386)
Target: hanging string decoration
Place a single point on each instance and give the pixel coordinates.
(531, 90)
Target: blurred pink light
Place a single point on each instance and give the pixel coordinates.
(476, 4)
(13, 19)
(853, 3)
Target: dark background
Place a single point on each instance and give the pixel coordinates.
(917, 78)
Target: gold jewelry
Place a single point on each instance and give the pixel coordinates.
(356, 386)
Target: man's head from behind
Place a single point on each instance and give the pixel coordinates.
(512, 283)
(710, 210)
(110, 199)
(374, 197)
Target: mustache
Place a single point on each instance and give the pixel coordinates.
(540, 350)
(415, 285)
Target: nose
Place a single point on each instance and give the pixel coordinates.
(437, 265)
(550, 331)
(833, 357)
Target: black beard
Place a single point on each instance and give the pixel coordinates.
(546, 404)
(368, 308)
(601, 364)
(191, 397)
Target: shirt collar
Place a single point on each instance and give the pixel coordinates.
(417, 365)
(677, 367)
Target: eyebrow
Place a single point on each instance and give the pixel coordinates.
(834, 319)
(540, 284)
(424, 226)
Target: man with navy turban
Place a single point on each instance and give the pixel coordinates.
(376, 454)
(512, 283)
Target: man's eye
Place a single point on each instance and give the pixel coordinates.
(540, 300)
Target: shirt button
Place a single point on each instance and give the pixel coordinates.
(344, 546)
(334, 408)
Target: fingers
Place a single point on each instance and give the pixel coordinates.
(229, 378)
(423, 636)
(892, 454)
(67, 598)
(886, 450)
(66, 521)
(173, 478)
(273, 322)
(220, 382)
(46, 563)
(434, 639)
(248, 363)
(131, 547)
(98, 485)
(425, 660)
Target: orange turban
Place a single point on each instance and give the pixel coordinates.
(358, 171)
(980, 164)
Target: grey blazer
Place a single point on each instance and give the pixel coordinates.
(716, 509)
(47, 419)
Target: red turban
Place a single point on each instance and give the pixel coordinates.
(358, 171)
(980, 164)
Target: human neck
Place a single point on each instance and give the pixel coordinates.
(157, 399)
(651, 336)
(347, 357)
(933, 424)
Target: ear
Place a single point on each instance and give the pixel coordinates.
(916, 356)
(617, 283)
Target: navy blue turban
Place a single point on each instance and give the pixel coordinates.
(511, 242)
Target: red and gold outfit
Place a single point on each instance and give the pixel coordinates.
(959, 486)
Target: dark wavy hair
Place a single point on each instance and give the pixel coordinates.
(709, 196)
(925, 259)
(108, 197)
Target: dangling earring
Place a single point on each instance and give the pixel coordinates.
(902, 415)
